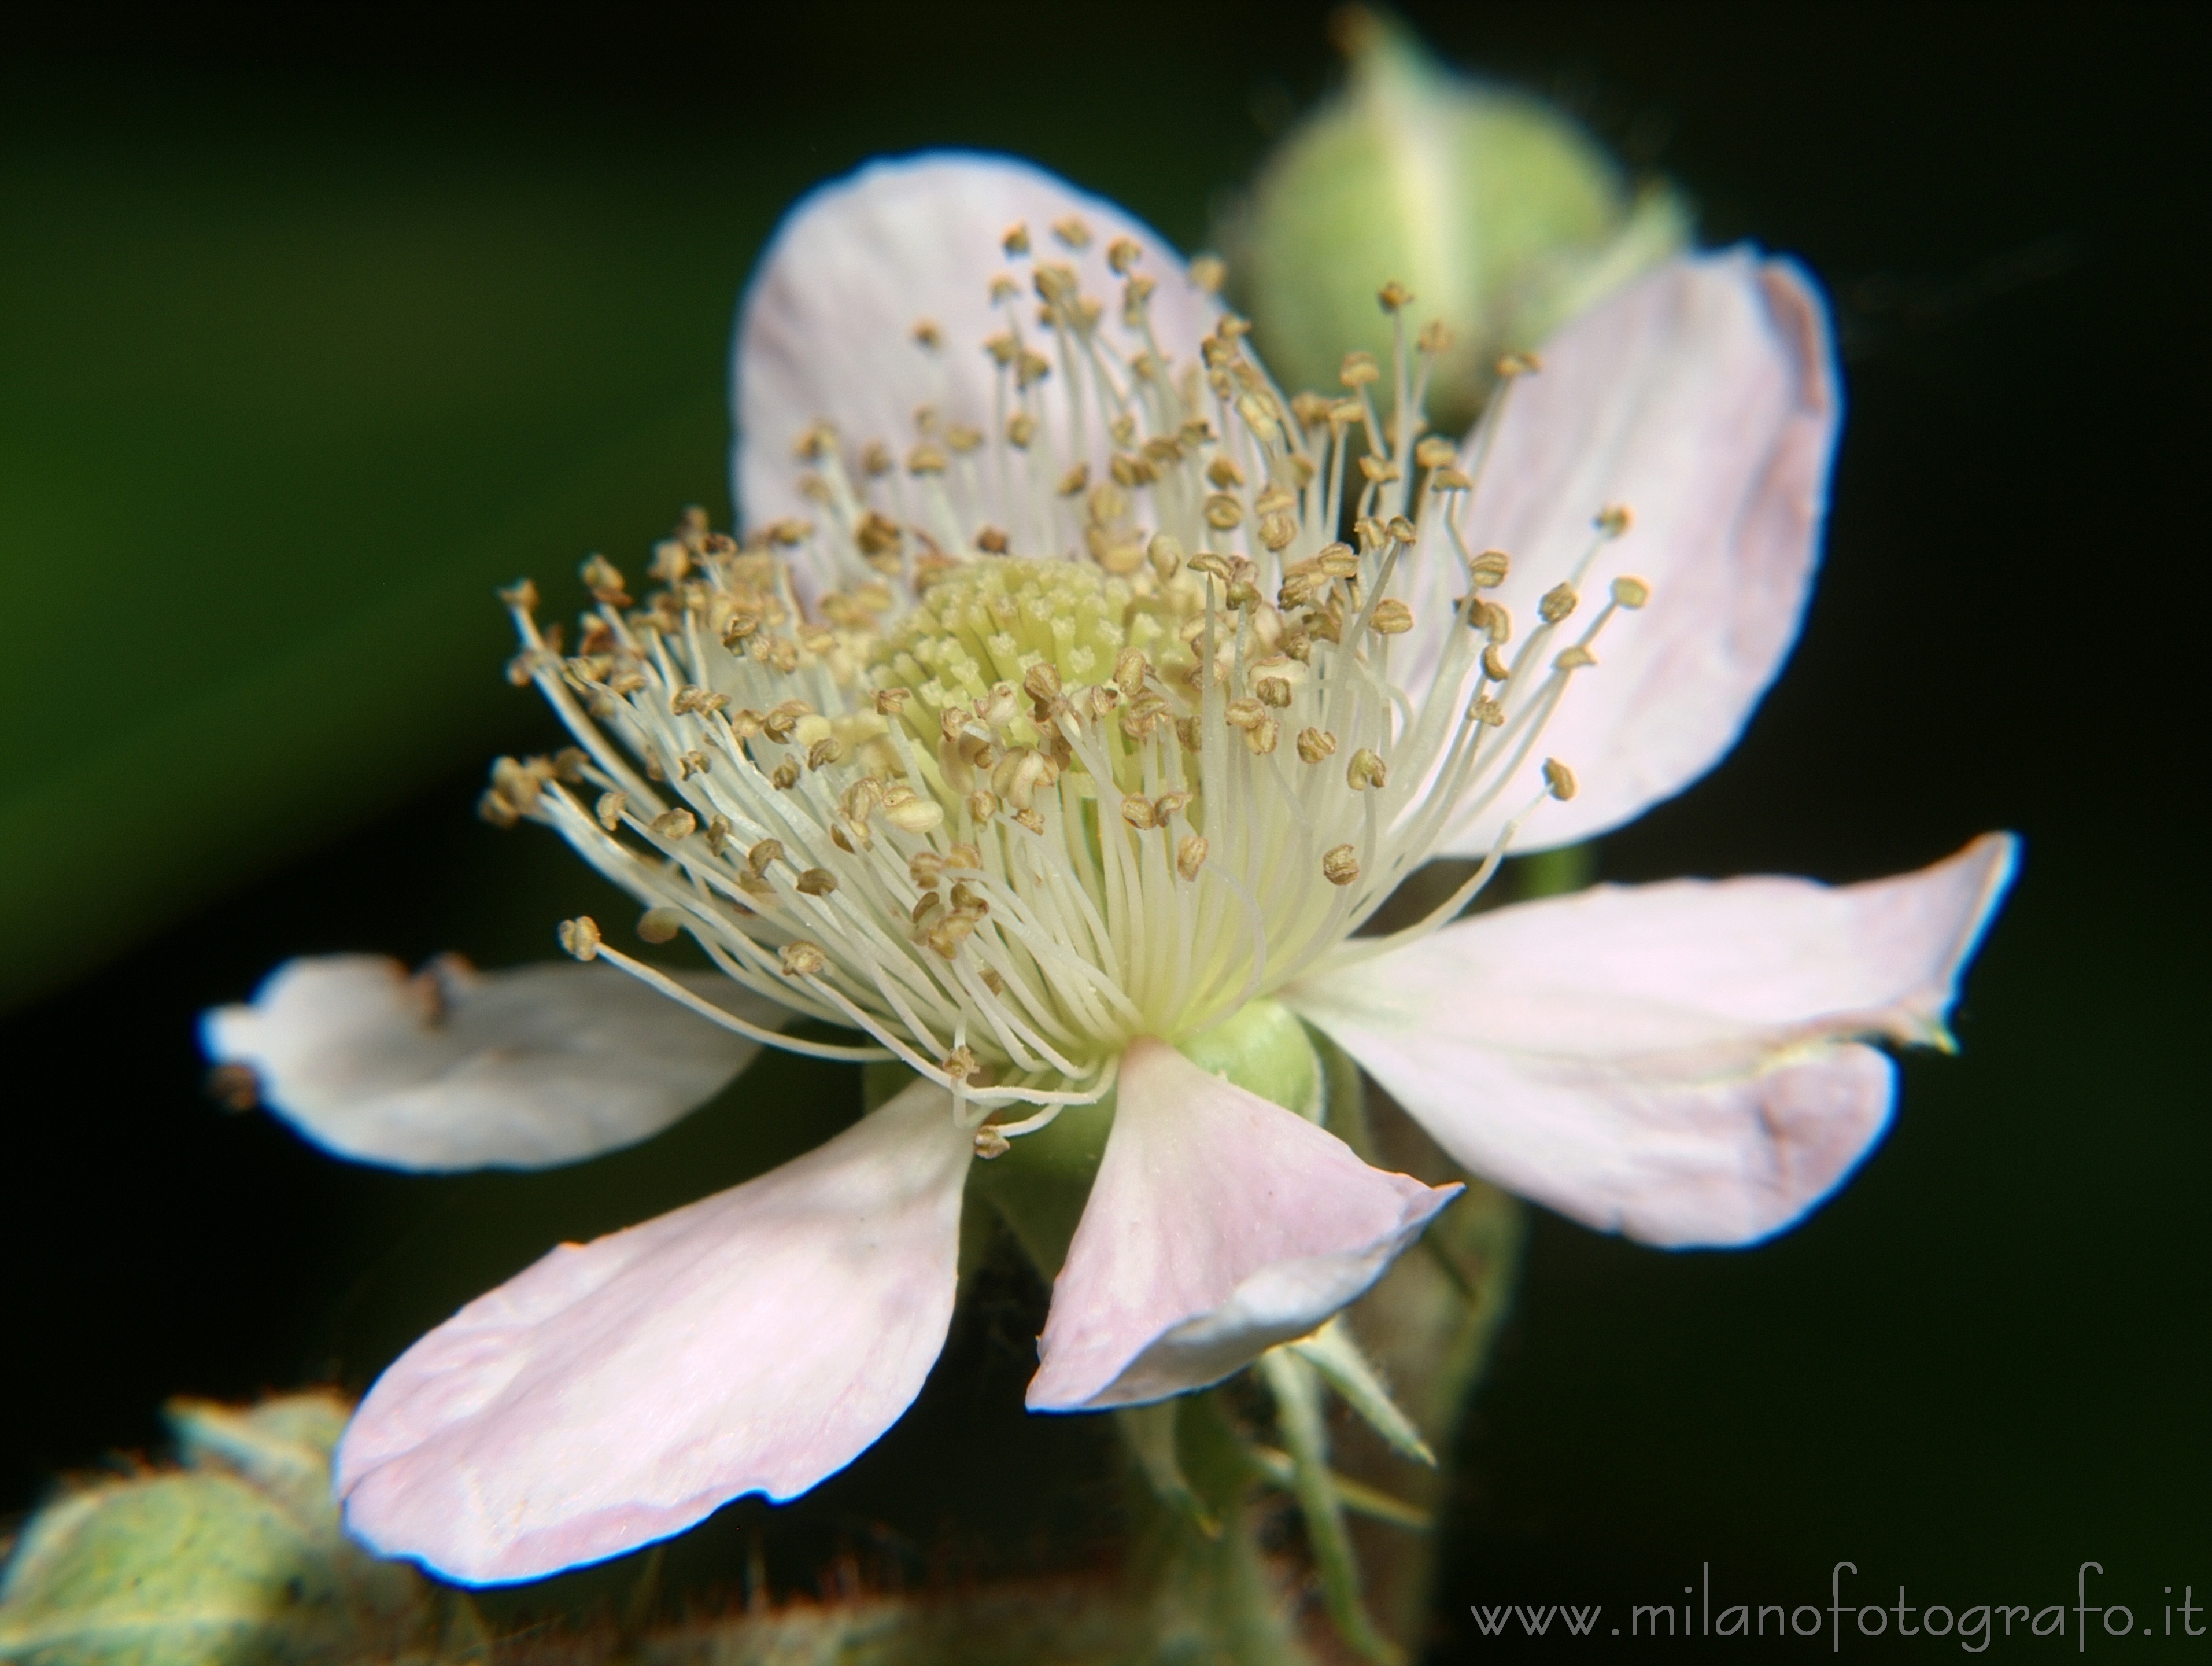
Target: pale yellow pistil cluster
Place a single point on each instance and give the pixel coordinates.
(1004, 813)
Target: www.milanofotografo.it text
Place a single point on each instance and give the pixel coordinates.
(1850, 1614)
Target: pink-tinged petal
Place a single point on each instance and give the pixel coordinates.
(1219, 1226)
(1674, 1061)
(1703, 398)
(618, 1391)
(454, 1068)
(826, 330)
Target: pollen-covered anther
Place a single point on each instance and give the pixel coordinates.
(801, 958)
(1314, 745)
(581, 936)
(1278, 531)
(675, 825)
(990, 1144)
(1190, 855)
(1339, 865)
(605, 580)
(785, 776)
(1560, 778)
(1366, 770)
(1630, 592)
(913, 813)
(1488, 571)
(1493, 663)
(661, 925)
(1486, 712)
(1272, 692)
(1614, 519)
(1137, 810)
(608, 810)
(1392, 617)
(1556, 603)
(818, 882)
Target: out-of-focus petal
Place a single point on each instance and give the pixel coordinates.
(827, 327)
(1703, 399)
(454, 1068)
(1219, 1226)
(1674, 1062)
(618, 1391)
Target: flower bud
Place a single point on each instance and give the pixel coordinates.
(1499, 213)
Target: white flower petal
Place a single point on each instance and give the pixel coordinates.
(618, 1391)
(454, 1068)
(826, 330)
(1219, 1226)
(1703, 398)
(1672, 1062)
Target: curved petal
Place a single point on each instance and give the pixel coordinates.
(1672, 1062)
(827, 327)
(454, 1068)
(1703, 398)
(618, 1391)
(1219, 1226)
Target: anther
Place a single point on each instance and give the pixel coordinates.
(764, 854)
(1519, 364)
(1436, 452)
(1493, 663)
(1395, 296)
(1391, 618)
(1122, 254)
(1560, 778)
(1630, 593)
(1016, 240)
(1072, 232)
(1339, 865)
(785, 776)
(1488, 571)
(1366, 770)
(1360, 369)
(802, 958)
(992, 541)
(1486, 712)
(1614, 519)
(1137, 811)
(1208, 273)
(914, 815)
(1574, 658)
(1556, 603)
(608, 810)
(581, 936)
(983, 807)
(659, 925)
(818, 882)
(1190, 855)
(1314, 745)
(675, 825)
(989, 1142)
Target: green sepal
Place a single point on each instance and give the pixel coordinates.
(1332, 1352)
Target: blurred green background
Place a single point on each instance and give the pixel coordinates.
(315, 327)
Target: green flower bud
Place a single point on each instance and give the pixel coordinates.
(1499, 212)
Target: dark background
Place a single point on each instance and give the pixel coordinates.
(331, 288)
